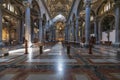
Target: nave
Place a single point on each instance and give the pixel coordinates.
(55, 64)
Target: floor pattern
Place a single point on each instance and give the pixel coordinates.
(55, 64)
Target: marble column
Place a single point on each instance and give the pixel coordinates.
(77, 29)
(40, 30)
(22, 30)
(1, 43)
(117, 23)
(67, 34)
(87, 22)
(52, 34)
(73, 31)
(96, 30)
(81, 32)
(18, 31)
(99, 33)
(27, 23)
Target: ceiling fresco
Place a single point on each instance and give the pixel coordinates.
(57, 7)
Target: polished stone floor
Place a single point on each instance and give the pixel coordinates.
(55, 64)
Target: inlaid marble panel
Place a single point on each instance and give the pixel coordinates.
(82, 77)
(52, 60)
(7, 77)
(105, 60)
(43, 77)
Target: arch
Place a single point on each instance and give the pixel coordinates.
(108, 26)
(59, 17)
(36, 8)
(107, 22)
(81, 3)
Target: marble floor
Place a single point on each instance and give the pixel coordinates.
(55, 64)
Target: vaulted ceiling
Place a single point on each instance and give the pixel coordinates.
(57, 7)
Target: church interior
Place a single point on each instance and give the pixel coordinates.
(59, 39)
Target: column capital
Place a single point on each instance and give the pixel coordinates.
(26, 3)
(87, 3)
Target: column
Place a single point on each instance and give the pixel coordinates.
(18, 31)
(81, 30)
(77, 29)
(87, 22)
(27, 23)
(117, 23)
(72, 26)
(1, 43)
(96, 30)
(69, 33)
(54, 33)
(74, 31)
(65, 32)
(22, 30)
(40, 30)
(99, 32)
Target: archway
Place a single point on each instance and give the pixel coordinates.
(59, 27)
(107, 24)
(82, 26)
(35, 14)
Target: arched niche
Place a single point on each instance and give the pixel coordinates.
(11, 22)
